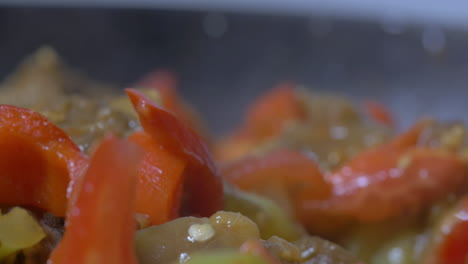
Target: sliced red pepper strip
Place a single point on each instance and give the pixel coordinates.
(202, 181)
(381, 184)
(388, 181)
(101, 224)
(233, 147)
(166, 84)
(450, 239)
(265, 118)
(375, 185)
(281, 175)
(37, 161)
(409, 138)
(379, 112)
(290, 170)
(268, 115)
(160, 180)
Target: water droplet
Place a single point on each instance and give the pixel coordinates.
(463, 215)
(183, 257)
(395, 255)
(362, 181)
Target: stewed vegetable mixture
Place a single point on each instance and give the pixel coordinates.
(91, 174)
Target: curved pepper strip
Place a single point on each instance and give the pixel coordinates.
(450, 239)
(265, 118)
(379, 112)
(291, 171)
(101, 223)
(268, 115)
(387, 181)
(283, 175)
(395, 178)
(37, 161)
(165, 83)
(381, 184)
(160, 181)
(202, 181)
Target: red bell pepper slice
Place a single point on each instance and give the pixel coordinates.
(265, 118)
(268, 115)
(380, 184)
(379, 112)
(202, 180)
(160, 180)
(450, 239)
(390, 180)
(283, 175)
(395, 178)
(166, 84)
(101, 223)
(37, 161)
(233, 147)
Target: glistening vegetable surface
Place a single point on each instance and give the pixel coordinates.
(107, 176)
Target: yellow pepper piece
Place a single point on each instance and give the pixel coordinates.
(18, 230)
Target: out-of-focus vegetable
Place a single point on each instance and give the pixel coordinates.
(400, 250)
(316, 250)
(289, 172)
(36, 83)
(256, 247)
(270, 218)
(37, 161)
(18, 230)
(379, 112)
(449, 243)
(331, 129)
(327, 125)
(399, 241)
(280, 175)
(76, 104)
(374, 186)
(225, 257)
(202, 181)
(309, 250)
(271, 112)
(182, 237)
(101, 225)
(266, 118)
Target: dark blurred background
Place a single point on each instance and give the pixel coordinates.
(223, 60)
